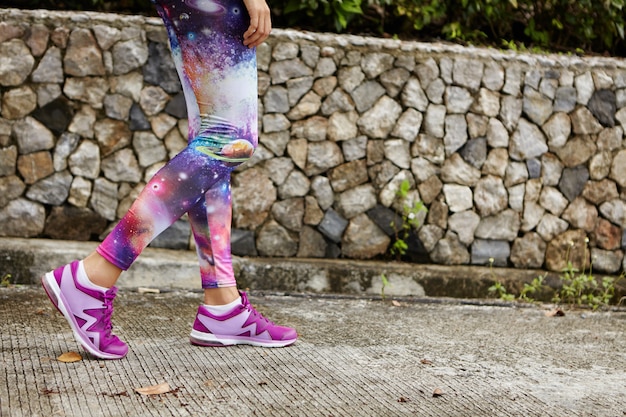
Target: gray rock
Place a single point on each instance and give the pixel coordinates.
(565, 99)
(516, 173)
(322, 191)
(90, 90)
(477, 125)
(22, 218)
(434, 120)
(11, 187)
(584, 87)
(537, 107)
(577, 151)
(348, 175)
(313, 214)
(557, 129)
(278, 169)
(322, 156)
(129, 55)
(289, 213)
(552, 200)
(282, 71)
(475, 152)
(615, 211)
(275, 123)
(449, 251)
(355, 148)
(159, 68)
(533, 214)
(510, 112)
(603, 106)
(414, 96)
(50, 68)
(333, 225)
(393, 80)
(355, 201)
(137, 119)
(307, 106)
(430, 148)
(296, 89)
(408, 125)
(458, 100)
(606, 261)
(584, 122)
(430, 189)
(456, 133)
(121, 166)
(486, 252)
(533, 166)
(493, 76)
(610, 139)
(456, 170)
(502, 226)
(488, 103)
(618, 168)
(374, 64)
(274, 240)
(85, 160)
(366, 94)
(573, 181)
(31, 136)
(52, 190)
(243, 243)
(527, 142)
(430, 235)
(249, 213)
(528, 252)
(18, 102)
(363, 239)
(104, 198)
(379, 121)
(427, 71)
(513, 83)
(312, 244)
(275, 141)
(83, 56)
(153, 100)
(468, 73)
(276, 100)
(490, 196)
(597, 192)
(296, 185)
(342, 126)
(551, 226)
(385, 218)
(551, 169)
(8, 160)
(80, 192)
(581, 215)
(458, 197)
(464, 224)
(17, 62)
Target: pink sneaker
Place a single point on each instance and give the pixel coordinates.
(242, 326)
(88, 311)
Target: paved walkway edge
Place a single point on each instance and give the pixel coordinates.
(27, 259)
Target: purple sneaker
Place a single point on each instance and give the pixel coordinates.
(242, 326)
(88, 311)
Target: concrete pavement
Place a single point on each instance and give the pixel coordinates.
(356, 356)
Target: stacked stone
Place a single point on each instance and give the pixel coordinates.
(520, 160)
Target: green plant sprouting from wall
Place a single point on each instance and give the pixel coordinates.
(578, 287)
(410, 220)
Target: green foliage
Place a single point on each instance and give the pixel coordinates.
(578, 287)
(5, 281)
(385, 283)
(318, 12)
(410, 220)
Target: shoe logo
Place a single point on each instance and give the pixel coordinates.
(87, 303)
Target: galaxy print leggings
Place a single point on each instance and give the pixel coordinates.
(219, 79)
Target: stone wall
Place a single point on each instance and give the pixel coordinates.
(520, 159)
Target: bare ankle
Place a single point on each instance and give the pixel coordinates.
(220, 296)
(100, 271)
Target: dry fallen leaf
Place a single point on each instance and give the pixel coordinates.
(68, 357)
(396, 303)
(403, 400)
(438, 392)
(557, 312)
(154, 389)
(426, 362)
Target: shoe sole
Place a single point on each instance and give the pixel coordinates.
(53, 292)
(203, 339)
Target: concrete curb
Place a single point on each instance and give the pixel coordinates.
(27, 259)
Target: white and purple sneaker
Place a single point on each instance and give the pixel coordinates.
(88, 311)
(241, 326)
